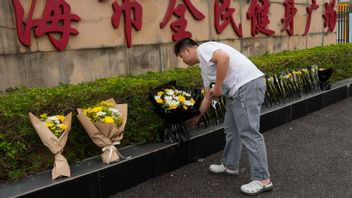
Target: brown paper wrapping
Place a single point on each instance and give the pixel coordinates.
(54, 144)
(106, 135)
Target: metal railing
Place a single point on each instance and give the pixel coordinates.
(344, 23)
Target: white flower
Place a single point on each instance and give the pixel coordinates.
(186, 94)
(169, 92)
(115, 111)
(188, 103)
(157, 97)
(101, 113)
(178, 91)
(168, 99)
(53, 118)
(174, 103)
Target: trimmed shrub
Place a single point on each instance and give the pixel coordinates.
(22, 152)
(338, 56)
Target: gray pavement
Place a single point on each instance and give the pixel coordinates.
(308, 157)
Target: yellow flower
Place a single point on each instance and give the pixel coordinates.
(159, 100)
(185, 107)
(160, 93)
(63, 126)
(106, 104)
(43, 116)
(192, 101)
(86, 111)
(173, 107)
(49, 124)
(60, 117)
(108, 120)
(96, 109)
(181, 98)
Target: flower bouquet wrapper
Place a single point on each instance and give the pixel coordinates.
(105, 135)
(54, 144)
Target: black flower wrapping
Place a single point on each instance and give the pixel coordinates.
(175, 118)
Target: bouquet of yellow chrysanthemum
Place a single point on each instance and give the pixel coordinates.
(54, 123)
(105, 124)
(103, 112)
(53, 131)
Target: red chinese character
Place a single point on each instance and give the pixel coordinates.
(223, 12)
(330, 15)
(128, 8)
(310, 9)
(56, 18)
(259, 17)
(290, 12)
(179, 26)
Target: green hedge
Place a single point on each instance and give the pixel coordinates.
(338, 56)
(22, 152)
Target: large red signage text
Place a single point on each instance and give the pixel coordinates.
(57, 17)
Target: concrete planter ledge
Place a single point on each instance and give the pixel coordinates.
(92, 179)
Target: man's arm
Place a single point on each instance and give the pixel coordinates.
(221, 61)
(204, 106)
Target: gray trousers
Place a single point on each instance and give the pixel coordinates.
(241, 126)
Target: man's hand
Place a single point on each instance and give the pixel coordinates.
(215, 91)
(193, 121)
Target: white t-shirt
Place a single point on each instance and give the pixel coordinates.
(240, 71)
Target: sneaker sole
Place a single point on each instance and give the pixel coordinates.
(224, 173)
(265, 189)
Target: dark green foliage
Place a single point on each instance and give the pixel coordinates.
(22, 152)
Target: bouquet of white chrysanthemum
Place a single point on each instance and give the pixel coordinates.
(175, 105)
(105, 124)
(172, 98)
(53, 131)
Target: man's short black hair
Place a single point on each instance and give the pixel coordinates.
(183, 43)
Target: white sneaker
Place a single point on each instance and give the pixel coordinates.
(221, 169)
(255, 187)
